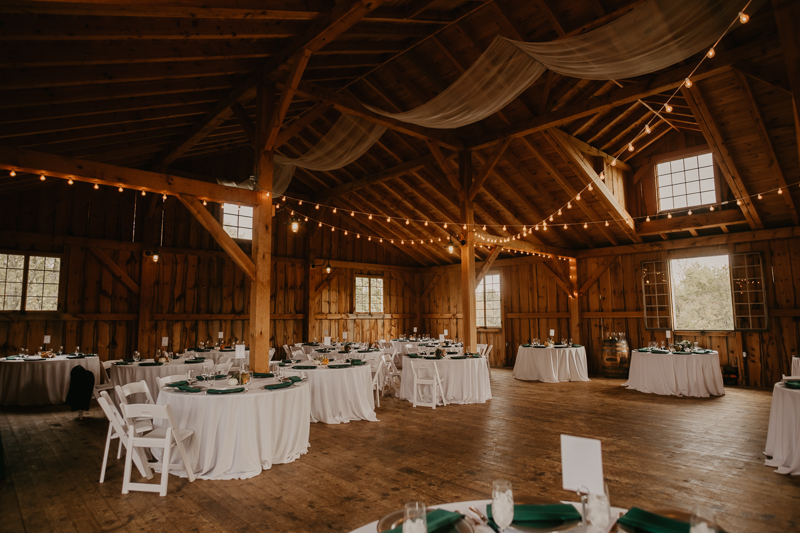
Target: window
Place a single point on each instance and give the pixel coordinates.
(749, 308)
(701, 293)
(33, 279)
(369, 294)
(686, 182)
(487, 302)
(238, 221)
(655, 287)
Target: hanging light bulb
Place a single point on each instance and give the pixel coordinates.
(602, 176)
(504, 227)
(42, 177)
(606, 223)
(559, 212)
(590, 187)
(630, 147)
(120, 189)
(12, 173)
(70, 182)
(536, 227)
(585, 225)
(780, 191)
(381, 239)
(352, 213)
(669, 215)
(711, 208)
(565, 226)
(426, 222)
(445, 225)
(205, 203)
(408, 222)
(465, 226)
(345, 232)
(551, 218)
(370, 217)
(738, 202)
(328, 269)
(96, 186)
(688, 83)
(647, 128)
(317, 206)
(388, 219)
(647, 219)
(668, 108)
(690, 212)
(578, 197)
(320, 224)
(614, 162)
(164, 197)
(711, 52)
(369, 238)
(760, 197)
(306, 220)
(334, 210)
(744, 18)
(295, 226)
(544, 226)
(569, 205)
(300, 202)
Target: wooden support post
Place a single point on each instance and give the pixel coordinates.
(574, 303)
(470, 333)
(147, 282)
(260, 325)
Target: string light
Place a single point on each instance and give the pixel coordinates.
(647, 129)
(614, 162)
(284, 199)
(353, 213)
(711, 208)
(585, 225)
(578, 197)
(559, 214)
(300, 202)
(569, 205)
(590, 187)
(738, 202)
(565, 226)
(12, 173)
(426, 222)
(320, 224)
(317, 207)
(647, 219)
(445, 225)
(504, 228)
(370, 217)
(780, 191)
(669, 215)
(484, 227)
(388, 219)
(688, 83)
(630, 147)
(606, 223)
(690, 212)
(205, 203)
(760, 197)
(42, 177)
(551, 218)
(96, 186)
(711, 53)
(668, 108)
(120, 189)
(743, 18)
(143, 193)
(602, 176)
(164, 197)
(409, 222)
(334, 210)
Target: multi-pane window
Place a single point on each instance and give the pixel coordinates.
(238, 221)
(686, 182)
(749, 305)
(39, 292)
(655, 288)
(487, 302)
(369, 294)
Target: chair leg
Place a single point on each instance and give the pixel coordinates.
(119, 449)
(126, 477)
(165, 464)
(186, 464)
(444, 402)
(105, 454)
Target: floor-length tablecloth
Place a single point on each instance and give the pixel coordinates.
(783, 435)
(480, 505)
(551, 365)
(236, 436)
(339, 395)
(124, 374)
(43, 382)
(671, 374)
(463, 380)
(796, 366)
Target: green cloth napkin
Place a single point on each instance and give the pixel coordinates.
(122, 363)
(260, 375)
(225, 391)
(659, 351)
(13, 357)
(76, 357)
(201, 378)
(194, 361)
(305, 367)
(652, 523)
(187, 388)
(459, 357)
(438, 519)
(413, 356)
(792, 384)
(339, 366)
(177, 383)
(541, 516)
(526, 345)
(577, 346)
(434, 357)
(539, 346)
(282, 385)
(150, 364)
(294, 379)
(643, 350)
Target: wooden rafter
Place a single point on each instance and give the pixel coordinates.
(299, 62)
(694, 222)
(295, 127)
(555, 270)
(115, 269)
(602, 267)
(384, 175)
(786, 14)
(487, 264)
(444, 166)
(432, 283)
(718, 146)
(245, 122)
(520, 245)
(487, 168)
(326, 282)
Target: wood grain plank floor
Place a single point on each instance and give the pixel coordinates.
(658, 452)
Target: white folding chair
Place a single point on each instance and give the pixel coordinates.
(288, 351)
(137, 387)
(426, 373)
(105, 383)
(118, 429)
(486, 356)
(390, 372)
(271, 353)
(378, 382)
(224, 368)
(299, 354)
(163, 437)
(166, 380)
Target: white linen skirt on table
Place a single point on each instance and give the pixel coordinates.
(41, 382)
(463, 380)
(796, 366)
(551, 365)
(783, 435)
(339, 395)
(671, 374)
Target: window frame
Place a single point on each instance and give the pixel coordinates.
(658, 317)
(26, 265)
(369, 294)
(763, 290)
(500, 300)
(222, 222)
(683, 154)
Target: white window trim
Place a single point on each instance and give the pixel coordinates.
(369, 295)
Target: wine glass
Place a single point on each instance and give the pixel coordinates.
(703, 520)
(205, 373)
(60, 350)
(598, 510)
(502, 504)
(415, 518)
(190, 376)
(77, 350)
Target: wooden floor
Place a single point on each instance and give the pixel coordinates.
(659, 452)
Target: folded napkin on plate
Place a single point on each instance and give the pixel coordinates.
(260, 375)
(294, 379)
(305, 367)
(459, 356)
(655, 350)
(577, 346)
(541, 516)
(339, 366)
(702, 351)
(649, 522)
(526, 345)
(356, 362)
(367, 351)
(539, 346)
(434, 357)
(177, 383)
(187, 388)
(311, 344)
(792, 384)
(13, 358)
(413, 355)
(194, 361)
(150, 364)
(35, 359)
(123, 363)
(76, 357)
(559, 346)
(438, 520)
(451, 353)
(224, 391)
(643, 349)
(201, 378)
(283, 385)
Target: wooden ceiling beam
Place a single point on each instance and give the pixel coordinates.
(422, 199)
(696, 221)
(246, 122)
(218, 9)
(486, 265)
(521, 246)
(299, 62)
(487, 168)
(719, 148)
(21, 160)
(294, 128)
(563, 144)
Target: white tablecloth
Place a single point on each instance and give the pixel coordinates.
(697, 375)
(463, 380)
(124, 374)
(463, 508)
(216, 355)
(796, 366)
(41, 382)
(236, 436)
(339, 395)
(551, 365)
(783, 435)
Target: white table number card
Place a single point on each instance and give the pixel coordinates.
(582, 464)
(239, 351)
(164, 341)
(326, 341)
(668, 334)
(445, 333)
(47, 339)
(441, 338)
(220, 335)
(552, 333)
(415, 330)
(344, 335)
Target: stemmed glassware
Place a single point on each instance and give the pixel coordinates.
(703, 521)
(77, 350)
(502, 504)
(137, 357)
(415, 518)
(190, 376)
(598, 510)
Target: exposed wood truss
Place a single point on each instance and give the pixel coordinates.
(487, 264)
(115, 269)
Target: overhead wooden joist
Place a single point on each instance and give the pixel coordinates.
(384, 175)
(521, 245)
(710, 219)
(21, 160)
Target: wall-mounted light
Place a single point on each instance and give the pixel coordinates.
(152, 254)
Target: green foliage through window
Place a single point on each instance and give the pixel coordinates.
(701, 294)
(369, 294)
(487, 302)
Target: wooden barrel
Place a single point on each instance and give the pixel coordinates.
(615, 359)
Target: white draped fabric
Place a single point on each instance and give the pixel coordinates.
(124, 374)
(463, 380)
(236, 436)
(460, 507)
(339, 395)
(796, 366)
(346, 141)
(43, 382)
(783, 435)
(551, 365)
(697, 375)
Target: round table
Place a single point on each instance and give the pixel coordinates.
(463, 380)
(783, 435)
(672, 374)
(236, 436)
(463, 508)
(796, 366)
(124, 374)
(41, 382)
(551, 365)
(338, 395)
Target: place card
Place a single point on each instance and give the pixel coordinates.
(582, 464)
(669, 334)
(552, 333)
(441, 338)
(344, 335)
(220, 335)
(164, 341)
(415, 330)
(326, 340)
(445, 333)
(239, 351)
(47, 339)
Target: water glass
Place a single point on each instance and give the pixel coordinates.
(77, 350)
(502, 504)
(598, 510)
(415, 518)
(703, 520)
(60, 350)
(190, 376)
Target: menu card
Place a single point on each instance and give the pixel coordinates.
(239, 351)
(582, 465)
